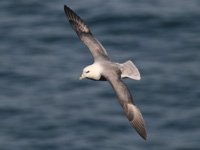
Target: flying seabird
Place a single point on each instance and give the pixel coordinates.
(104, 68)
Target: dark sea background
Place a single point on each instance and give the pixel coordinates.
(43, 105)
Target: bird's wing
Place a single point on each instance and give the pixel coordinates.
(85, 35)
(130, 109)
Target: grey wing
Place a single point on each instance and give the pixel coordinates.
(130, 109)
(84, 34)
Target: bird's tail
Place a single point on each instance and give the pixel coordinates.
(129, 70)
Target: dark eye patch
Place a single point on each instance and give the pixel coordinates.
(87, 71)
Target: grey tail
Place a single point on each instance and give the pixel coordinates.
(129, 70)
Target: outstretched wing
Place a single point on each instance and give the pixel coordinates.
(130, 109)
(85, 35)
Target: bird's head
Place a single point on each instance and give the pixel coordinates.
(91, 72)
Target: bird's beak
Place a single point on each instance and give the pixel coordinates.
(81, 77)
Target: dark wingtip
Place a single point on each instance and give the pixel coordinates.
(76, 22)
(68, 12)
(143, 134)
(65, 7)
(144, 137)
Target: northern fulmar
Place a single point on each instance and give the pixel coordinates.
(104, 68)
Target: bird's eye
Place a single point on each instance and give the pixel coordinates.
(87, 71)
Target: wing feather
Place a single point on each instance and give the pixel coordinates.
(130, 109)
(85, 34)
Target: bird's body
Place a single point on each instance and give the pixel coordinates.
(104, 68)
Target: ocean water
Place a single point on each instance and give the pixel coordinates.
(43, 105)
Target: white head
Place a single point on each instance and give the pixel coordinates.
(92, 72)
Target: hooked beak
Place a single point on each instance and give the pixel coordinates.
(81, 77)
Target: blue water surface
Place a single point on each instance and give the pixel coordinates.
(43, 105)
